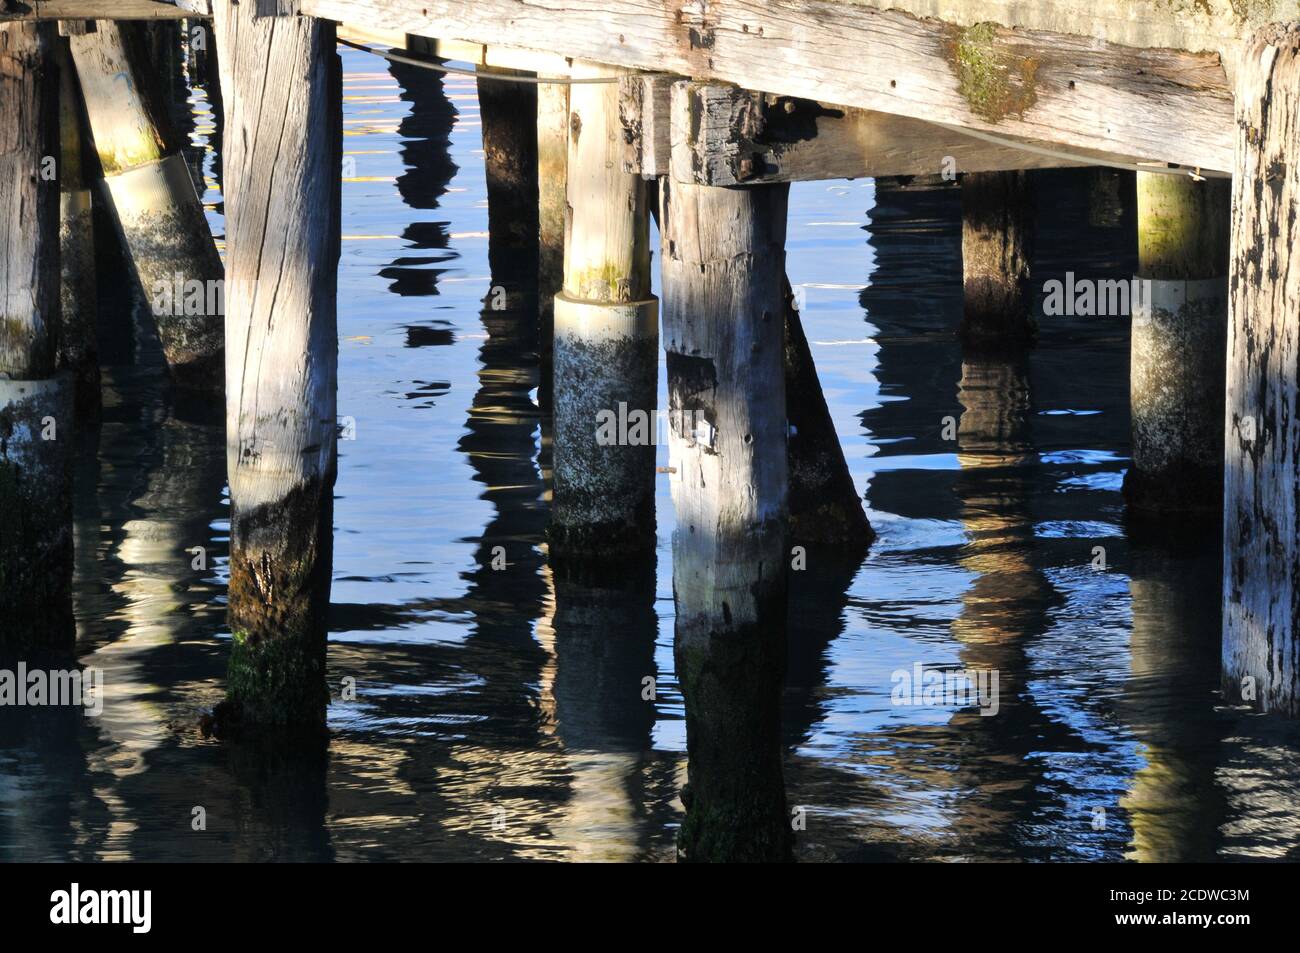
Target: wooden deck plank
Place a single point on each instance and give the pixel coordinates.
(730, 136)
(102, 9)
(1198, 26)
(1078, 91)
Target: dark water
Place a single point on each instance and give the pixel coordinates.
(487, 724)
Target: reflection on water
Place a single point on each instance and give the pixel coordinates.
(503, 712)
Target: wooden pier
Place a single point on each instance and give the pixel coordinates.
(699, 113)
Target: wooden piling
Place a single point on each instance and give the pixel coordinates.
(508, 115)
(1261, 597)
(825, 508)
(1112, 196)
(155, 207)
(723, 262)
(35, 402)
(606, 343)
(996, 229)
(552, 175)
(1177, 349)
(283, 148)
(78, 350)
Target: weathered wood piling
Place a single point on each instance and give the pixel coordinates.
(825, 509)
(996, 235)
(1261, 520)
(283, 148)
(36, 417)
(1112, 196)
(552, 176)
(724, 307)
(508, 113)
(739, 366)
(79, 297)
(157, 212)
(1178, 341)
(689, 131)
(606, 343)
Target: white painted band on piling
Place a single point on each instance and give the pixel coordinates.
(162, 184)
(596, 322)
(269, 477)
(1176, 369)
(11, 391)
(52, 396)
(1172, 296)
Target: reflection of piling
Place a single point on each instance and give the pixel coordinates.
(997, 220)
(1178, 345)
(606, 341)
(724, 254)
(424, 135)
(157, 475)
(819, 596)
(35, 404)
(1005, 607)
(35, 512)
(155, 207)
(203, 72)
(285, 795)
(51, 806)
(1007, 601)
(604, 629)
(283, 234)
(1261, 622)
(1174, 803)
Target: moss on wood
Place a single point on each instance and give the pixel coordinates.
(995, 81)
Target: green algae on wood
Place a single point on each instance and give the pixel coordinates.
(279, 681)
(995, 81)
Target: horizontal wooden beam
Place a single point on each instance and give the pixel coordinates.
(102, 9)
(723, 135)
(501, 57)
(1158, 104)
(645, 110)
(1211, 26)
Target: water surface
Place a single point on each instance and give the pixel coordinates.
(497, 718)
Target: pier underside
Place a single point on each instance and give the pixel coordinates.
(1125, 79)
(638, 157)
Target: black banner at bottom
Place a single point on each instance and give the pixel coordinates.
(200, 903)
